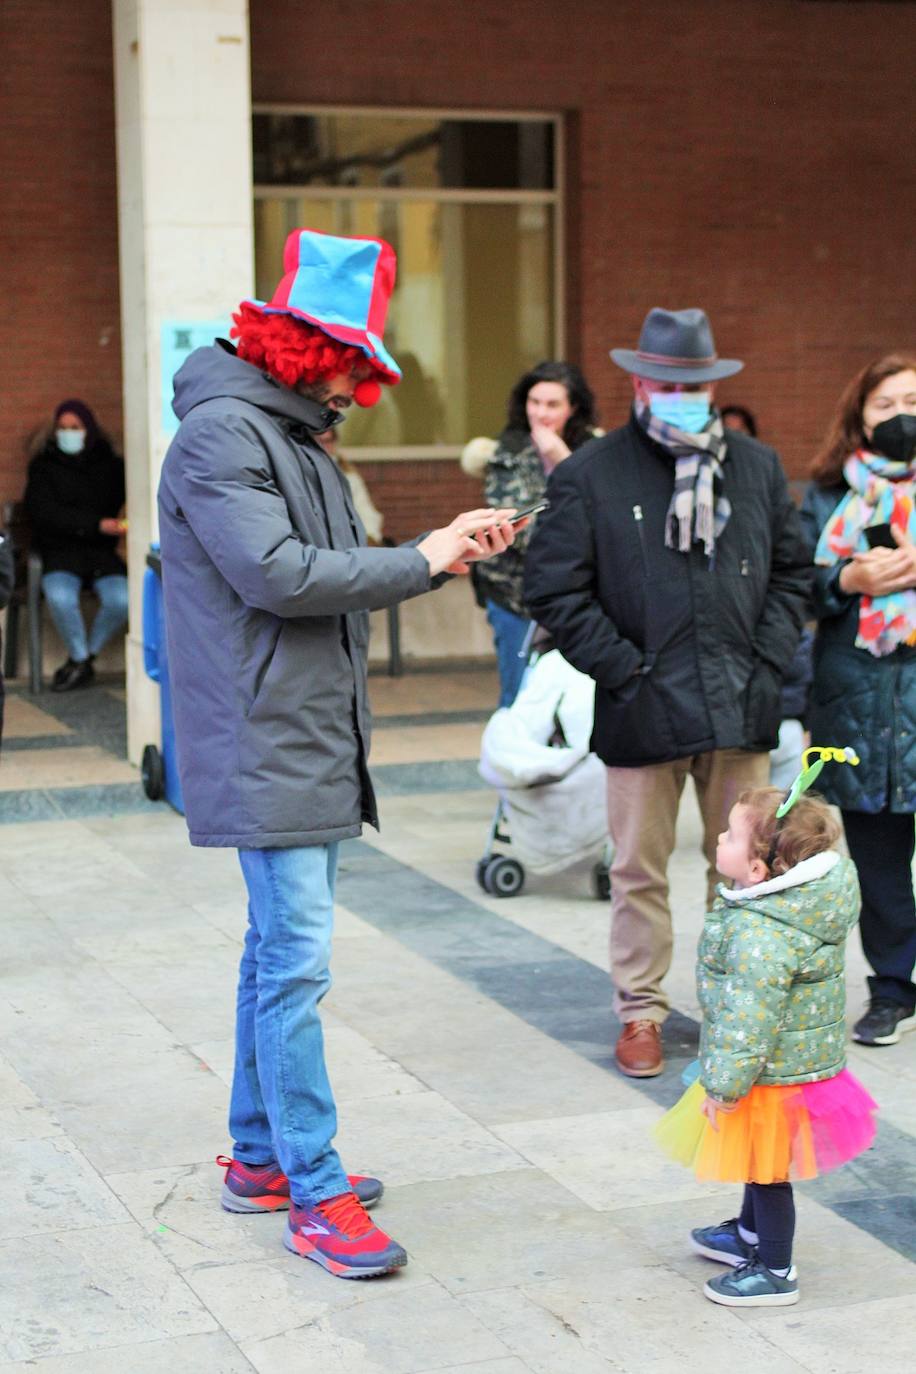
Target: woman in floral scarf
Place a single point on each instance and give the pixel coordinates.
(860, 516)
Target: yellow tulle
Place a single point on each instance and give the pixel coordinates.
(766, 1139)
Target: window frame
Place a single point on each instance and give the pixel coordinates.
(556, 198)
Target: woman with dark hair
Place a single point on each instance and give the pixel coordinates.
(74, 497)
(739, 417)
(860, 516)
(551, 412)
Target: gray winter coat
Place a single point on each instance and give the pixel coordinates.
(267, 587)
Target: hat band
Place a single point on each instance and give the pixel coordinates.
(668, 361)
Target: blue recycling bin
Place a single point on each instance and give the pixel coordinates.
(159, 768)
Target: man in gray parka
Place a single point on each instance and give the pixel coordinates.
(268, 585)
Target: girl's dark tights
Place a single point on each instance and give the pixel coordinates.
(768, 1210)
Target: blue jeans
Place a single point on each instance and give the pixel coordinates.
(62, 593)
(282, 1106)
(509, 632)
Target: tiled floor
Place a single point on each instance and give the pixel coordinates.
(469, 1041)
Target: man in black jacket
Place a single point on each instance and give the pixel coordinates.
(670, 567)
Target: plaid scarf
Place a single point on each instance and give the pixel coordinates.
(881, 492)
(698, 510)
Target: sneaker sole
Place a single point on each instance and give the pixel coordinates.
(269, 1202)
(720, 1256)
(298, 1245)
(758, 1300)
(907, 1024)
(265, 1202)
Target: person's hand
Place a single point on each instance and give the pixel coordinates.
(549, 444)
(112, 526)
(453, 549)
(711, 1107)
(880, 572)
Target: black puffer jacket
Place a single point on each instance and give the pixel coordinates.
(858, 699)
(66, 497)
(686, 657)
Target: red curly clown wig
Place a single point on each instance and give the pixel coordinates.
(293, 351)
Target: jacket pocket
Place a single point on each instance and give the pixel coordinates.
(762, 707)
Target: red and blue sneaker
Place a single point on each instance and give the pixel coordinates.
(338, 1235)
(265, 1188)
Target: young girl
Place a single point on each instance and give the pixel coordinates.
(773, 1100)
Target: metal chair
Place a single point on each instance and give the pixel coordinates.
(26, 593)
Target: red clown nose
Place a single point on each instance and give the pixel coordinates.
(367, 393)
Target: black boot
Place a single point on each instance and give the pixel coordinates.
(73, 675)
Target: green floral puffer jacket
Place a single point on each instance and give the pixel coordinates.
(771, 979)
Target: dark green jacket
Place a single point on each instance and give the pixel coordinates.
(515, 477)
(771, 979)
(856, 698)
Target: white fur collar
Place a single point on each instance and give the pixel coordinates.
(816, 867)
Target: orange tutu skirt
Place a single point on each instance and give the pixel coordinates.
(775, 1134)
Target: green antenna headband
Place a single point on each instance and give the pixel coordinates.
(810, 771)
(825, 753)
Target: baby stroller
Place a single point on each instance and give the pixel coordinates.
(552, 807)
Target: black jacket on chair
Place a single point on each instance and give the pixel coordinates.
(66, 497)
(687, 654)
(7, 580)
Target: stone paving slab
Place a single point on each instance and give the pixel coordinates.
(469, 1041)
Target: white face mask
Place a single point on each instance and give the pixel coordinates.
(70, 440)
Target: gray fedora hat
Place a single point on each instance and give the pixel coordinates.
(676, 346)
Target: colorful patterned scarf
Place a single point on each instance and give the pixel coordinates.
(881, 492)
(698, 510)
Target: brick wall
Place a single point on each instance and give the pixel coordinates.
(746, 155)
(59, 326)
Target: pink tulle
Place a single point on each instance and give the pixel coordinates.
(841, 1113)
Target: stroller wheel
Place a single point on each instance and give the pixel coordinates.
(480, 872)
(152, 773)
(601, 883)
(503, 877)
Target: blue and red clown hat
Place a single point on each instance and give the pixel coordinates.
(340, 286)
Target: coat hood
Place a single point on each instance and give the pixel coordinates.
(217, 370)
(819, 897)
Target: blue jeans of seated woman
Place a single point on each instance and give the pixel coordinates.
(62, 593)
(282, 1106)
(509, 632)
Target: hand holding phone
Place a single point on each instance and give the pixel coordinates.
(880, 537)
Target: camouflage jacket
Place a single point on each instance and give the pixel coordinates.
(771, 979)
(515, 476)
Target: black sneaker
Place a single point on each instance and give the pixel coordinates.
(883, 1023)
(73, 675)
(753, 1285)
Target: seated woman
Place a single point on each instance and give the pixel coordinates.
(74, 497)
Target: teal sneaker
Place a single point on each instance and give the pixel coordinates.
(753, 1285)
(722, 1243)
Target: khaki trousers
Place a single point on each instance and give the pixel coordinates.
(642, 806)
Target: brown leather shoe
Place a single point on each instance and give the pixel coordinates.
(639, 1049)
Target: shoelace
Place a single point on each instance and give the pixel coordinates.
(347, 1213)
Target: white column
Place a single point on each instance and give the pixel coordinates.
(183, 119)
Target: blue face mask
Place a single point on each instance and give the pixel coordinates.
(686, 410)
(70, 440)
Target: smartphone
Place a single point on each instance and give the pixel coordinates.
(529, 510)
(880, 537)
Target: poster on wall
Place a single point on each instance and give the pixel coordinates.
(180, 338)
